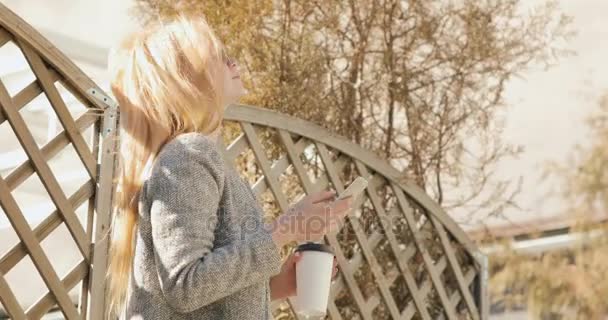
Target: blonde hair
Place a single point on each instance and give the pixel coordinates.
(167, 80)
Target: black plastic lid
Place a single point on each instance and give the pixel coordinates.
(313, 246)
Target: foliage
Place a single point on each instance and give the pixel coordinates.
(568, 284)
(419, 82)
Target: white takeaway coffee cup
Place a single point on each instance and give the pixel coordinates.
(313, 279)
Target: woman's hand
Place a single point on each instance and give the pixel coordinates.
(284, 284)
(310, 219)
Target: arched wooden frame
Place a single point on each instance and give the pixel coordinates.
(433, 261)
(431, 228)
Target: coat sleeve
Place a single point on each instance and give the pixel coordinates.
(185, 190)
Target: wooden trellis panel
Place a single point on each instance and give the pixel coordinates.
(400, 255)
(82, 212)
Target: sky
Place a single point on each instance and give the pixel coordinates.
(548, 109)
(546, 113)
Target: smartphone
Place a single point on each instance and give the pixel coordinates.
(354, 189)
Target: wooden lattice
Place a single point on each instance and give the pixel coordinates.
(83, 211)
(400, 255)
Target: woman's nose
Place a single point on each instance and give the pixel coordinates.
(234, 67)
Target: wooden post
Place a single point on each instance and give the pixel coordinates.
(97, 302)
(481, 286)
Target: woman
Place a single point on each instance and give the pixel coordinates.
(188, 238)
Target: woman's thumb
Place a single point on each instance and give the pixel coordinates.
(322, 196)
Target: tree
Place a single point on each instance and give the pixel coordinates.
(568, 284)
(419, 82)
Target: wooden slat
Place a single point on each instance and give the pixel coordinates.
(411, 222)
(83, 302)
(4, 37)
(291, 303)
(425, 289)
(342, 261)
(61, 110)
(322, 182)
(236, 147)
(334, 313)
(359, 234)
(374, 300)
(394, 245)
(18, 251)
(44, 228)
(482, 295)
(281, 165)
(104, 195)
(365, 246)
(455, 297)
(40, 260)
(404, 256)
(27, 94)
(8, 300)
(455, 267)
(401, 258)
(277, 168)
(375, 267)
(270, 176)
(47, 301)
(42, 168)
(294, 155)
(84, 99)
(49, 150)
(33, 90)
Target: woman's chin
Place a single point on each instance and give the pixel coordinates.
(243, 92)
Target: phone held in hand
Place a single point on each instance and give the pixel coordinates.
(354, 189)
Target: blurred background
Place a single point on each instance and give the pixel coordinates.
(498, 109)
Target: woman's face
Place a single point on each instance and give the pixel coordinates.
(233, 86)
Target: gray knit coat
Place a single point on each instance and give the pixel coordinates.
(202, 251)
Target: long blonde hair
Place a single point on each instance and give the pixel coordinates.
(167, 80)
